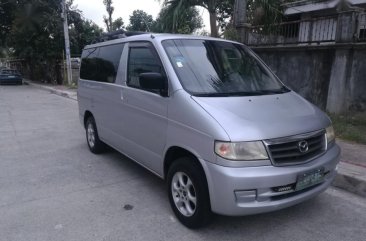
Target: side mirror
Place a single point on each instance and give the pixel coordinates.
(153, 81)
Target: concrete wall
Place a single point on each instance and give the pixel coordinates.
(332, 77)
(356, 96)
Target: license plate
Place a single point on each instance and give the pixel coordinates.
(309, 179)
(11, 76)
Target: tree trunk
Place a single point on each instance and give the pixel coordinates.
(213, 25)
(110, 23)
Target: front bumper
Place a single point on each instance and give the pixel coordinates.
(250, 190)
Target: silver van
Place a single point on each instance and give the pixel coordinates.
(209, 117)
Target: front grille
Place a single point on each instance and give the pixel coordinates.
(286, 151)
(292, 194)
(285, 188)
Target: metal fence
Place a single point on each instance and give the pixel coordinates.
(316, 30)
(361, 27)
(12, 63)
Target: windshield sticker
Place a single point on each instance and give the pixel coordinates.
(179, 60)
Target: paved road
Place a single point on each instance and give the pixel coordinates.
(53, 188)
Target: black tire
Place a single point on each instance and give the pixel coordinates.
(202, 213)
(98, 146)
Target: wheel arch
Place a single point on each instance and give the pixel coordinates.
(175, 152)
(87, 114)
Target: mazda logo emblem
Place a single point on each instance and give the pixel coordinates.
(303, 146)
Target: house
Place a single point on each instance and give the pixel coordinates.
(313, 22)
(321, 7)
(318, 19)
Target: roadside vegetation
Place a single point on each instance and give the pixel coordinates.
(350, 127)
(31, 31)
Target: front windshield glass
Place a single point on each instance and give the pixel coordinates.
(218, 68)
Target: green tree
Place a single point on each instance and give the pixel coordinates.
(189, 20)
(225, 13)
(83, 32)
(36, 36)
(264, 12)
(34, 33)
(118, 24)
(7, 11)
(140, 21)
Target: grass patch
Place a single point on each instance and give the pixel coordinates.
(350, 127)
(73, 85)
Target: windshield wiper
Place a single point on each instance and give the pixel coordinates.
(278, 91)
(213, 94)
(245, 93)
(252, 93)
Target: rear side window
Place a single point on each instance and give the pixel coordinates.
(142, 60)
(88, 68)
(109, 57)
(102, 64)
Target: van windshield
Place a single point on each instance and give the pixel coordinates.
(218, 68)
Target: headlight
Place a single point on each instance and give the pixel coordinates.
(330, 134)
(241, 151)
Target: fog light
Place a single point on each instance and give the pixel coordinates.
(245, 196)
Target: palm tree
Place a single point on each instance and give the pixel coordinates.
(187, 21)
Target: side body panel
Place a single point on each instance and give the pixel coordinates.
(143, 123)
(109, 108)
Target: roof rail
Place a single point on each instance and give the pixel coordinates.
(117, 35)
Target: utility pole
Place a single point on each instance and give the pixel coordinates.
(240, 12)
(240, 19)
(67, 42)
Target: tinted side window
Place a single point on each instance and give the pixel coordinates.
(108, 62)
(141, 60)
(101, 64)
(89, 66)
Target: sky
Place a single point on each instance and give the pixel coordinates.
(94, 9)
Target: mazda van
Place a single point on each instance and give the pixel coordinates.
(210, 118)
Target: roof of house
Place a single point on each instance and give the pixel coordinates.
(306, 6)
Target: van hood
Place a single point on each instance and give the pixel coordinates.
(264, 117)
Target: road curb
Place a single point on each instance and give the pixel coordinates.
(66, 94)
(351, 178)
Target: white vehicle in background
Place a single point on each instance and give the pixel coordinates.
(75, 62)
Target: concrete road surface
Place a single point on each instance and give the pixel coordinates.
(53, 188)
